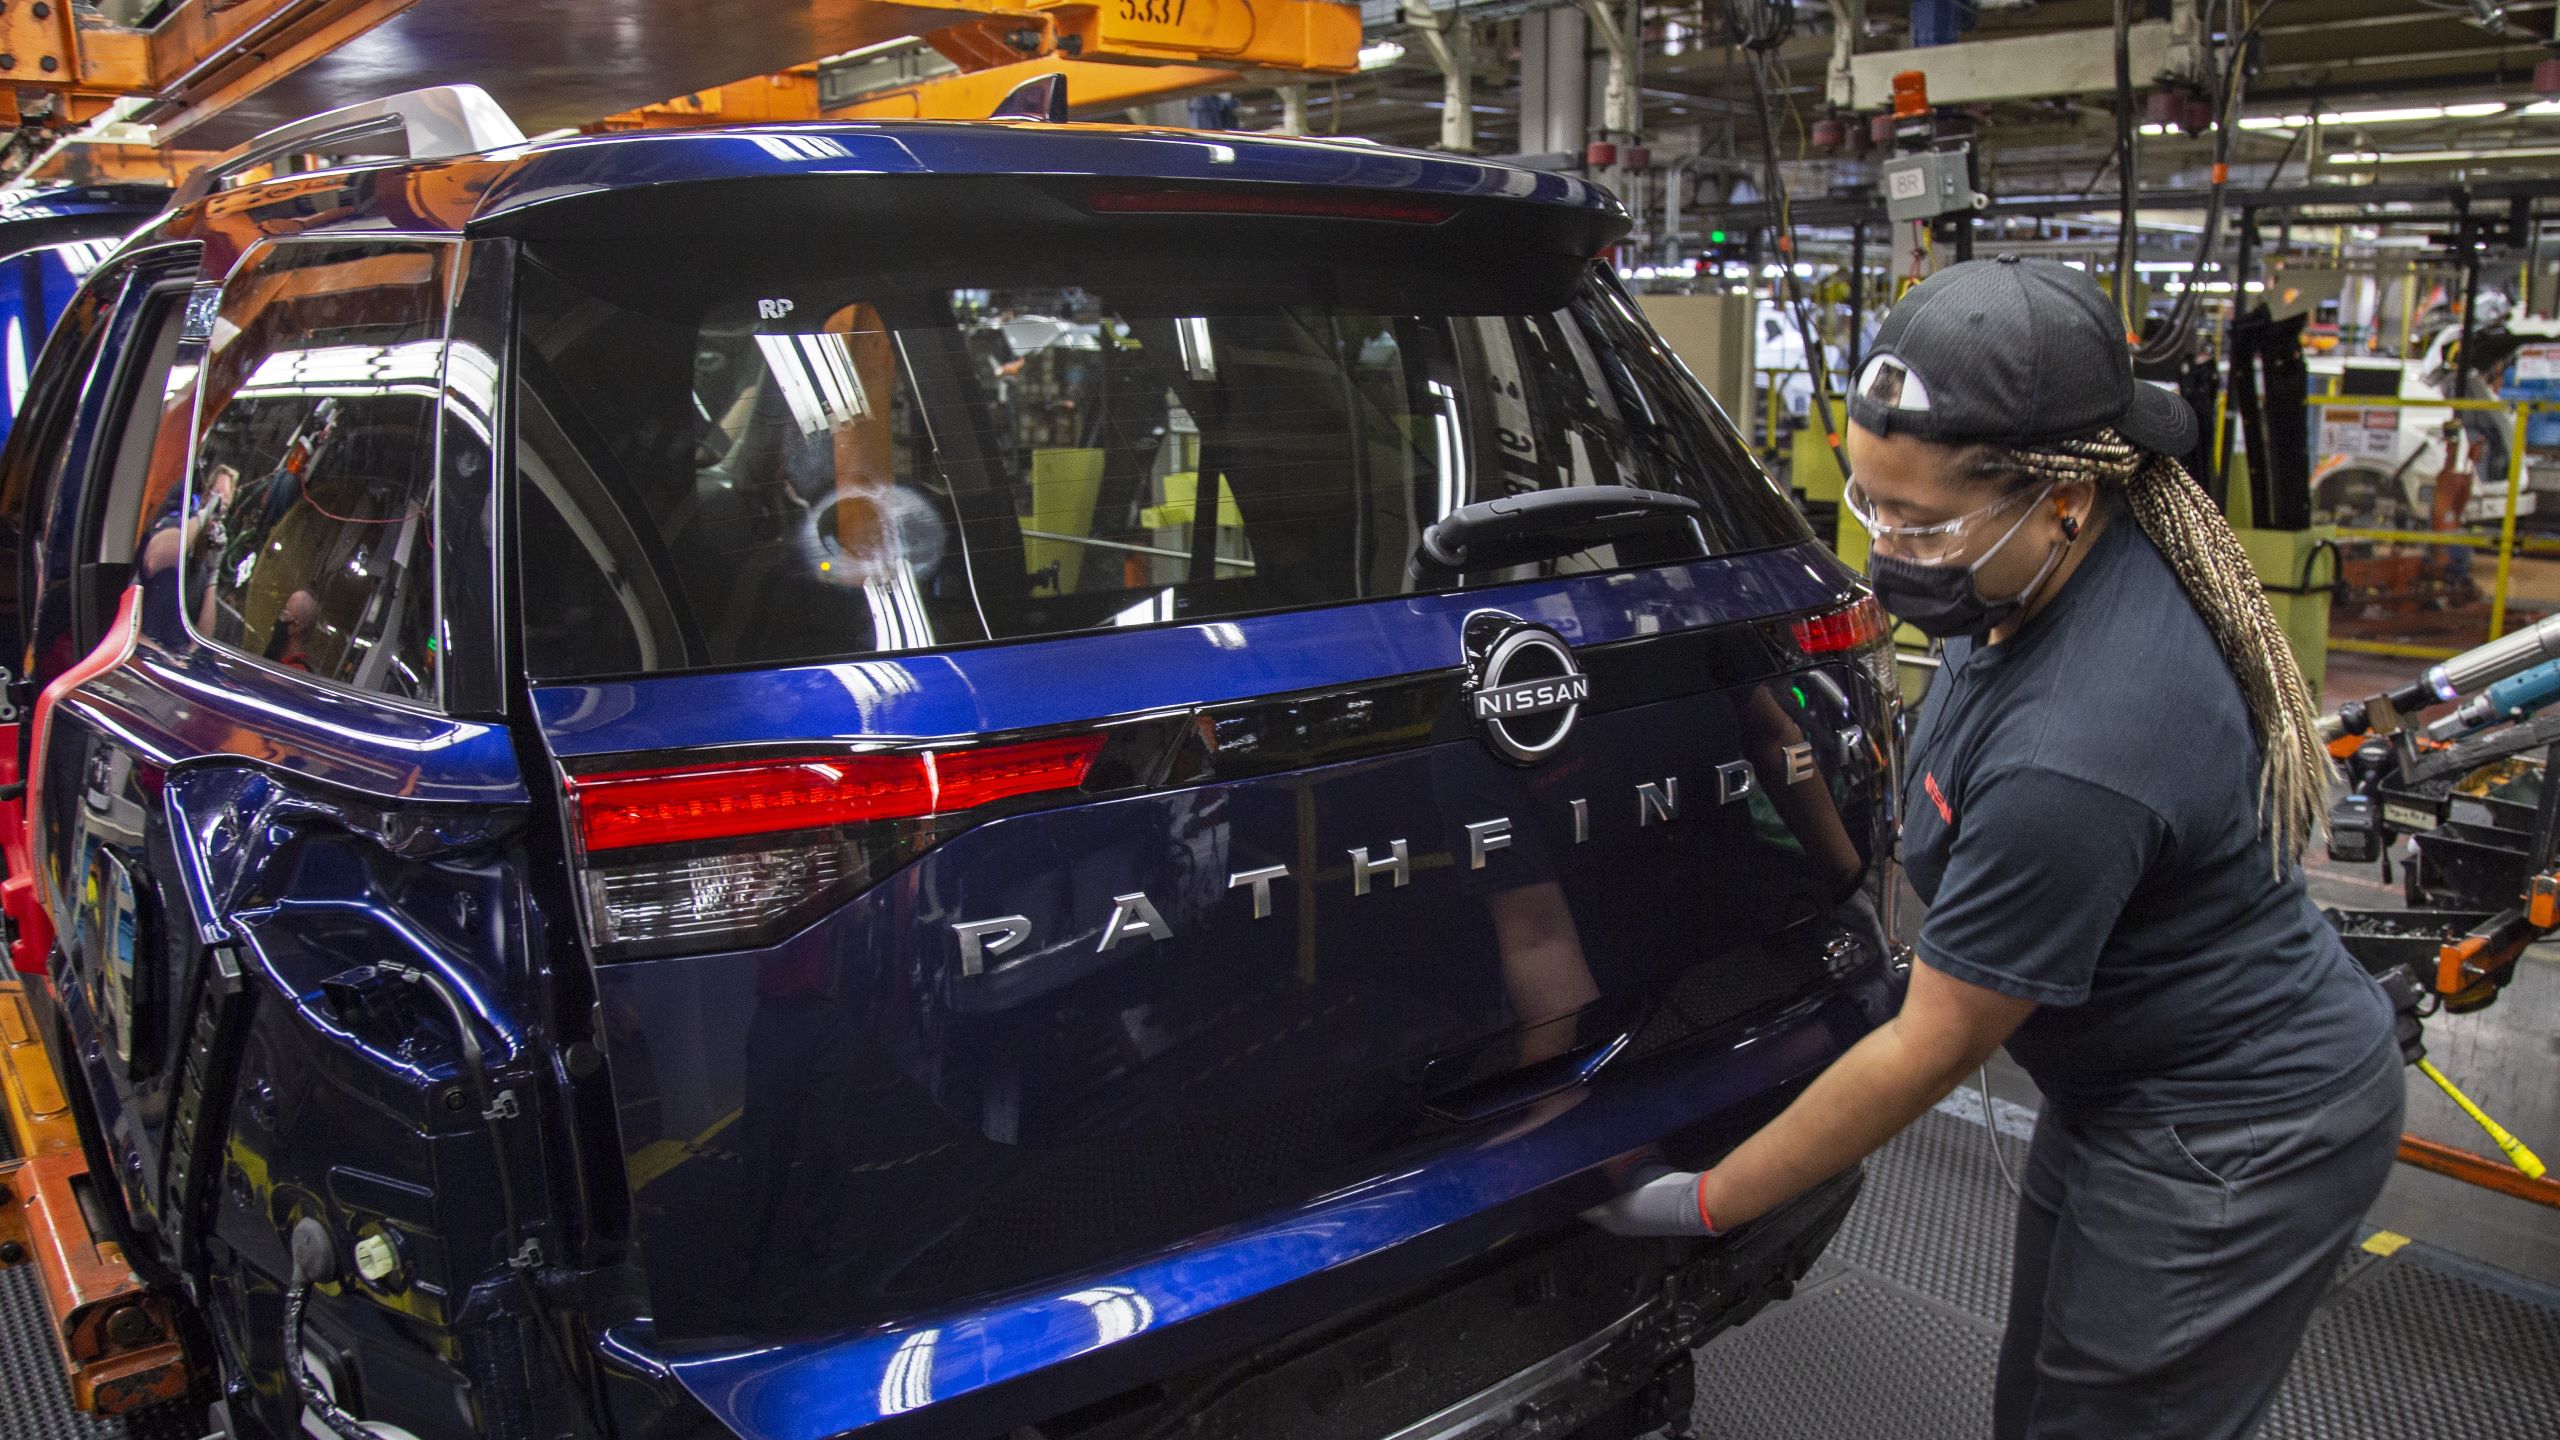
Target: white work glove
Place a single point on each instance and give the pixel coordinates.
(1658, 1201)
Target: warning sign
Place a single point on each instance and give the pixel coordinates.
(2365, 434)
(2538, 362)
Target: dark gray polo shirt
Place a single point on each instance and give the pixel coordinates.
(2081, 815)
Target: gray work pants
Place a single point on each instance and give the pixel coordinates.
(2165, 1273)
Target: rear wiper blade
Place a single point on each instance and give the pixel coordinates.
(1542, 524)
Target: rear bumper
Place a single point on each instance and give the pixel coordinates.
(1714, 1289)
(1537, 1340)
(1017, 1360)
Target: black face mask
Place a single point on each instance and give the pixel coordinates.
(1943, 601)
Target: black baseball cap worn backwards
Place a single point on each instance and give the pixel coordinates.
(2016, 351)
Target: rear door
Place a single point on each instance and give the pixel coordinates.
(1031, 805)
(85, 522)
(253, 748)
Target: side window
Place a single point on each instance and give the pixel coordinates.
(34, 611)
(120, 470)
(310, 527)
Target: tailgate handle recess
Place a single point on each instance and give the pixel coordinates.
(1528, 1085)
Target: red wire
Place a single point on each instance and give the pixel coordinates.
(350, 519)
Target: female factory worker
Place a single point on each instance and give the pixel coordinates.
(2108, 794)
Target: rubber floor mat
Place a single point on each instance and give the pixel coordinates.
(1898, 1333)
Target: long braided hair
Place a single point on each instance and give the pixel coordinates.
(2222, 583)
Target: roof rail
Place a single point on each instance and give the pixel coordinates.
(439, 121)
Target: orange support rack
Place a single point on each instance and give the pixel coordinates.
(117, 1340)
(39, 1116)
(118, 1345)
(2466, 968)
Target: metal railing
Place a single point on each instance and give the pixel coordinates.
(2507, 544)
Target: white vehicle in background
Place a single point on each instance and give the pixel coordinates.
(1779, 356)
(2375, 467)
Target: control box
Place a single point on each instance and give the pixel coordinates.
(1929, 184)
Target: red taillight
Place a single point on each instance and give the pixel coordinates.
(1853, 627)
(1275, 200)
(759, 797)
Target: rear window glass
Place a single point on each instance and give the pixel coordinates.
(824, 470)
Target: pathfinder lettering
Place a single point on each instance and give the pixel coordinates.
(1134, 917)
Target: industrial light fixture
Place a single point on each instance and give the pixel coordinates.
(2440, 157)
(2408, 113)
(1380, 55)
(2396, 115)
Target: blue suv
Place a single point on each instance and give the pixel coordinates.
(962, 779)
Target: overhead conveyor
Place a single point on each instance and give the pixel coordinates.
(1112, 55)
(210, 75)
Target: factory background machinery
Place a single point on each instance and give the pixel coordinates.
(2326, 223)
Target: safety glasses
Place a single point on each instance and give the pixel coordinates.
(1939, 543)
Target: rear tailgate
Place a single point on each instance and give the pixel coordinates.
(864, 1120)
(1048, 847)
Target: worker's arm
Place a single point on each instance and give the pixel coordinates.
(2034, 878)
(1946, 1028)
(1887, 1080)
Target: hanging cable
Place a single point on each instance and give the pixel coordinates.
(2125, 165)
(2229, 83)
(1760, 27)
(315, 1262)
(522, 1252)
(1991, 1132)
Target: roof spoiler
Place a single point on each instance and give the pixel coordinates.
(437, 122)
(1042, 97)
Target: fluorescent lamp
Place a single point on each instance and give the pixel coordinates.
(2399, 115)
(2441, 157)
(2390, 117)
(1380, 55)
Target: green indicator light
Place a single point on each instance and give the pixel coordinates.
(1715, 237)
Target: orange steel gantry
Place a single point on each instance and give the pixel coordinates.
(1112, 53)
(216, 71)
